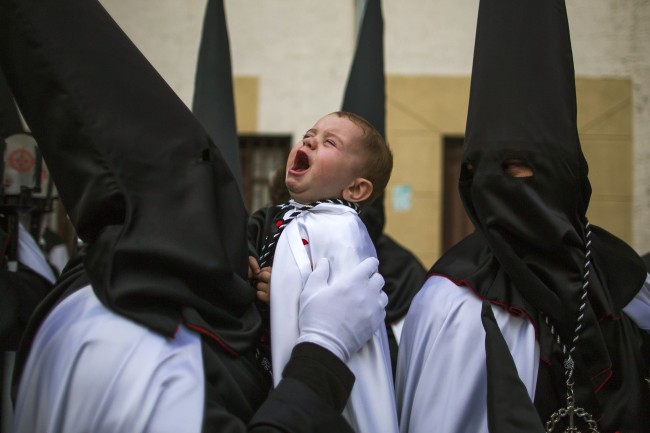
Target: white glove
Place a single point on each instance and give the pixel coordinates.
(342, 316)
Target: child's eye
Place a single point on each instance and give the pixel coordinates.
(330, 142)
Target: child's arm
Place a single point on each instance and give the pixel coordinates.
(260, 279)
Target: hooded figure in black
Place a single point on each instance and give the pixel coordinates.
(573, 285)
(153, 327)
(365, 95)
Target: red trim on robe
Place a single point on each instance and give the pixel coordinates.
(221, 343)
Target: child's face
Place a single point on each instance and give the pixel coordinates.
(325, 161)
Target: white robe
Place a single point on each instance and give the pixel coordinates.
(338, 234)
(142, 382)
(441, 382)
(31, 255)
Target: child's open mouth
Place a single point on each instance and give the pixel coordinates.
(301, 162)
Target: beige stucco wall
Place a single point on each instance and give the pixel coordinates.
(605, 127)
(246, 93)
(299, 52)
(420, 111)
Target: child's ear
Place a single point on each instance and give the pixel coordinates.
(359, 190)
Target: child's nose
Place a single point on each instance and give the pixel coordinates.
(310, 142)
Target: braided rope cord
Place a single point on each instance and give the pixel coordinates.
(571, 411)
(270, 242)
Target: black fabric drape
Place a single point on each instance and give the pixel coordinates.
(504, 385)
(22, 290)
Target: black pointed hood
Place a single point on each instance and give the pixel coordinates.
(365, 94)
(214, 104)
(522, 107)
(10, 123)
(142, 182)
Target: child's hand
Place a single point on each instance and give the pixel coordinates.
(260, 278)
(253, 269)
(264, 284)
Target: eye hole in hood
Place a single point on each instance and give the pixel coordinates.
(516, 168)
(466, 171)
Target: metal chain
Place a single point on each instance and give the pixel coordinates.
(571, 411)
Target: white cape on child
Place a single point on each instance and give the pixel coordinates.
(337, 233)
